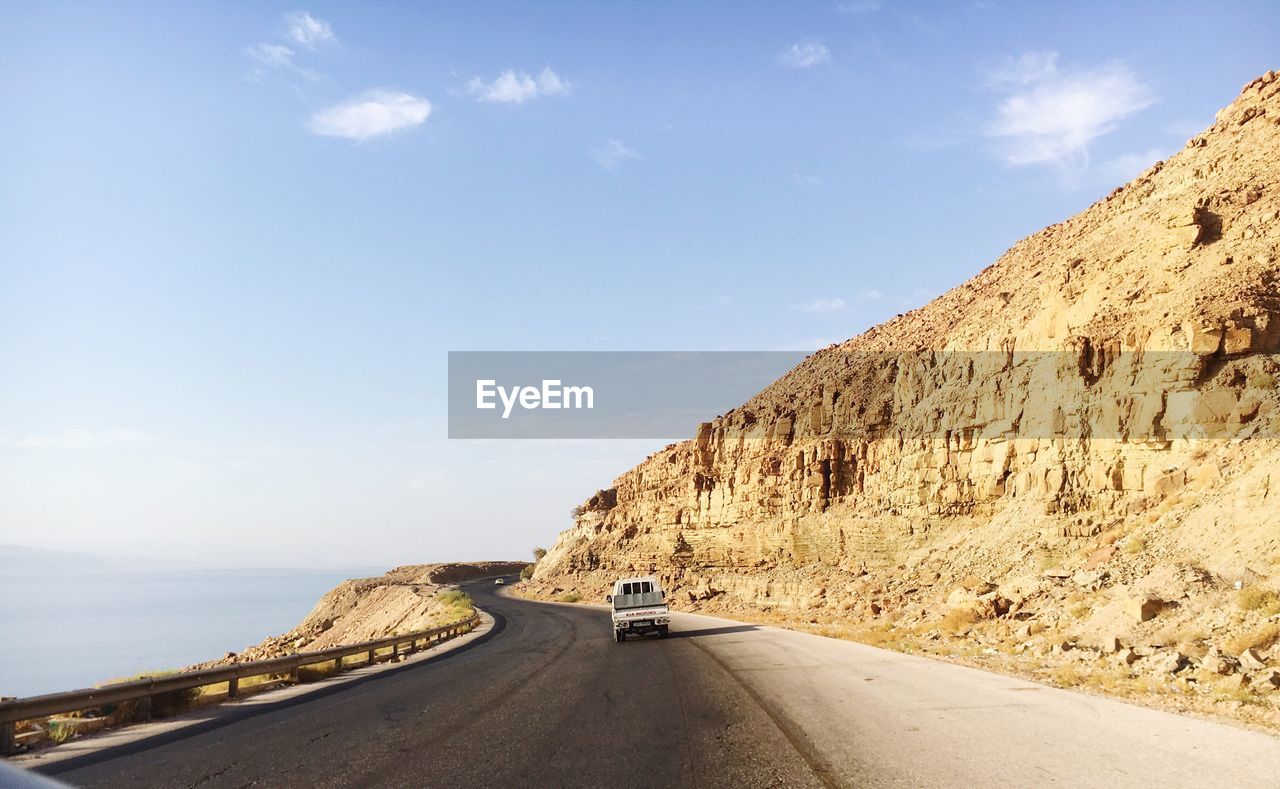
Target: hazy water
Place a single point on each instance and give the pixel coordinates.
(63, 632)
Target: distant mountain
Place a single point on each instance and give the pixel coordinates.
(27, 560)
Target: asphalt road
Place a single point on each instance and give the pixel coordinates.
(548, 699)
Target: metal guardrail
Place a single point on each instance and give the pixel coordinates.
(142, 690)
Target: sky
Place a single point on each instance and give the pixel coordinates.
(237, 241)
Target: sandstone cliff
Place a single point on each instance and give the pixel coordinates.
(1090, 421)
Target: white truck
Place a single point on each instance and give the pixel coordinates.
(639, 608)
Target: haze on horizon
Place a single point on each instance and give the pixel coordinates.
(236, 243)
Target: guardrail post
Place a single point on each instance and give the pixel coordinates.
(233, 687)
(373, 655)
(337, 665)
(142, 711)
(395, 650)
(8, 743)
(294, 674)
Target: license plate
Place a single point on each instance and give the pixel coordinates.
(641, 623)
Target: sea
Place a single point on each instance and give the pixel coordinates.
(76, 630)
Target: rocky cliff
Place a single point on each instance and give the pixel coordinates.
(1099, 405)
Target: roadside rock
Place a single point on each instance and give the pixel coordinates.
(1250, 660)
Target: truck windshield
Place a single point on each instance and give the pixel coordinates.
(637, 599)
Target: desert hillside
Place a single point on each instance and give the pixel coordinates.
(402, 600)
(1067, 465)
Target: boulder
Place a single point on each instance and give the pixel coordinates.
(997, 604)
(1169, 662)
(1251, 660)
(1142, 609)
(1090, 580)
(1218, 664)
(1100, 556)
(1267, 680)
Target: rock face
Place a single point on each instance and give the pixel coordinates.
(1102, 398)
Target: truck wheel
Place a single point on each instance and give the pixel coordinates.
(662, 631)
(619, 636)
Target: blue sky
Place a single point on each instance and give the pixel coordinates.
(237, 241)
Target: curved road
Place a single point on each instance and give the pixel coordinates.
(548, 699)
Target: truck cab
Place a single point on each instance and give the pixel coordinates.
(638, 608)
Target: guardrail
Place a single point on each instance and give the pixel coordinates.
(142, 690)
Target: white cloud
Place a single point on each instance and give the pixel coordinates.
(271, 54)
(305, 30)
(78, 439)
(1054, 118)
(820, 305)
(300, 30)
(275, 56)
(855, 7)
(371, 114)
(516, 88)
(612, 153)
(870, 295)
(1025, 69)
(1126, 167)
(804, 55)
(803, 179)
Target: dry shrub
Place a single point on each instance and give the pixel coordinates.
(876, 636)
(61, 729)
(316, 671)
(1067, 676)
(1254, 598)
(1260, 637)
(958, 620)
(1110, 536)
